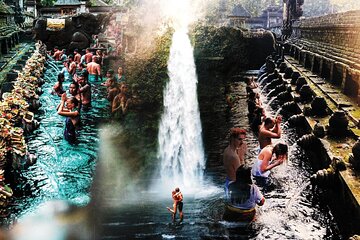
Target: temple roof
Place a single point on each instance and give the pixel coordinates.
(240, 11)
(67, 3)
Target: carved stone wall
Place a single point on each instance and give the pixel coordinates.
(330, 46)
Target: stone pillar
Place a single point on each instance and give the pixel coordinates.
(4, 46)
(16, 37)
(8, 41)
(13, 44)
(331, 76)
(309, 61)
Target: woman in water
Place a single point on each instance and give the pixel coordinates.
(243, 197)
(269, 157)
(72, 117)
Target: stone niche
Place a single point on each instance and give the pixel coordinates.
(330, 47)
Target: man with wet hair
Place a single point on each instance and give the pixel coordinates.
(268, 130)
(88, 56)
(77, 56)
(57, 54)
(94, 70)
(234, 154)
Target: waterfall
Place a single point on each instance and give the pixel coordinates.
(180, 134)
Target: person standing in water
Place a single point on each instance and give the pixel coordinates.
(243, 195)
(178, 204)
(234, 154)
(269, 157)
(72, 117)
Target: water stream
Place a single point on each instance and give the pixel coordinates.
(180, 135)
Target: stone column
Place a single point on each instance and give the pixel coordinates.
(4, 46)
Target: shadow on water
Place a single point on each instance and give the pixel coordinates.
(63, 171)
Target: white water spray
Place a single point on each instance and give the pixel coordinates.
(180, 142)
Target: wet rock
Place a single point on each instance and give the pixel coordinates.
(310, 141)
(323, 178)
(338, 124)
(319, 130)
(277, 90)
(319, 106)
(289, 108)
(288, 73)
(284, 96)
(301, 81)
(306, 93)
(283, 67)
(295, 76)
(354, 159)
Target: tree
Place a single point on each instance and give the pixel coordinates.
(48, 3)
(317, 8)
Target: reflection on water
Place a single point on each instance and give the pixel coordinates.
(62, 171)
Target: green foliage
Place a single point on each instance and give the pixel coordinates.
(147, 73)
(148, 69)
(225, 42)
(48, 3)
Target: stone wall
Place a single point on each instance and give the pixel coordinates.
(330, 47)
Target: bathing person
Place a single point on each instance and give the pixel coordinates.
(250, 84)
(120, 103)
(57, 54)
(178, 204)
(72, 117)
(244, 195)
(268, 130)
(71, 67)
(77, 56)
(257, 119)
(63, 56)
(120, 77)
(87, 56)
(234, 154)
(58, 87)
(269, 157)
(94, 70)
(112, 87)
(85, 92)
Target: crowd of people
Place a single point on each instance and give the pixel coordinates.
(242, 180)
(84, 70)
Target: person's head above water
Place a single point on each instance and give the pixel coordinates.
(237, 134)
(280, 149)
(243, 175)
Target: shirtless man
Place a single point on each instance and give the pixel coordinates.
(234, 154)
(77, 56)
(57, 54)
(88, 56)
(71, 67)
(94, 70)
(268, 130)
(85, 91)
